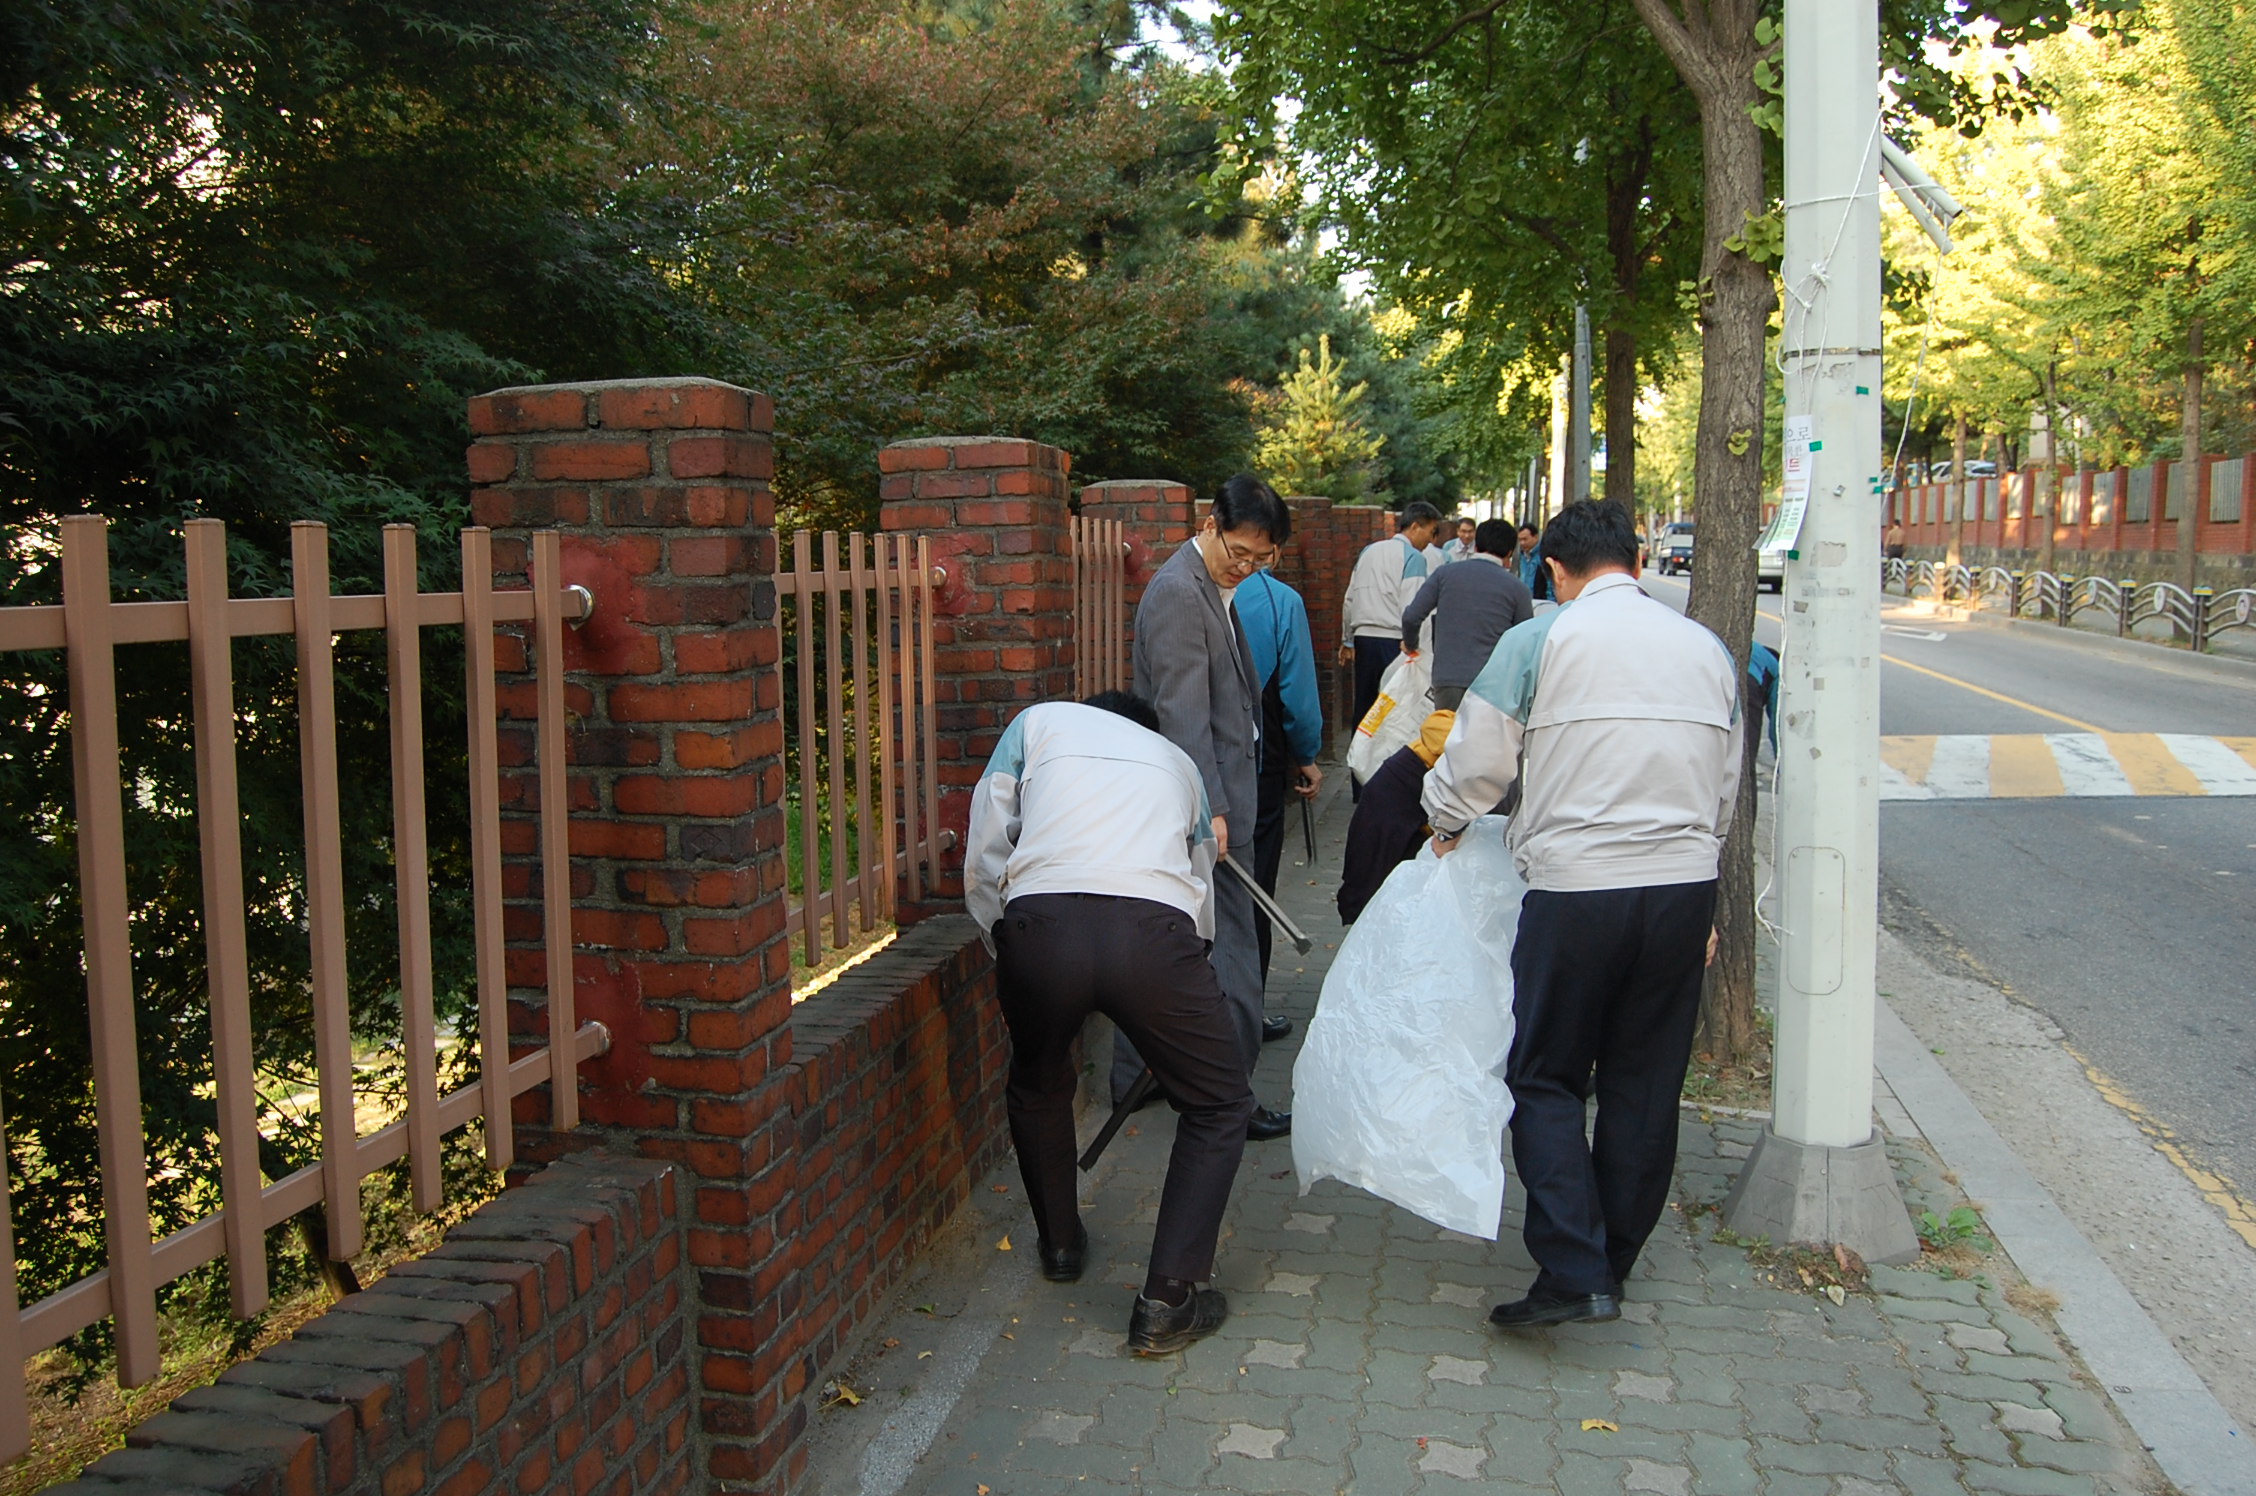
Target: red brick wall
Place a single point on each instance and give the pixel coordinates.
(1003, 636)
(1157, 517)
(543, 1347)
(899, 1105)
(1316, 563)
(819, 1145)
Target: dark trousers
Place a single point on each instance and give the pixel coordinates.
(1606, 991)
(1384, 832)
(1372, 656)
(1058, 957)
(1268, 855)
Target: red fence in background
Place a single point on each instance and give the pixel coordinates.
(2102, 510)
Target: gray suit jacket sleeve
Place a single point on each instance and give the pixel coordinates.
(1172, 673)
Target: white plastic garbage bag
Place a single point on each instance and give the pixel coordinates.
(1396, 714)
(1399, 1087)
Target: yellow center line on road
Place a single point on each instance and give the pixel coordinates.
(1967, 685)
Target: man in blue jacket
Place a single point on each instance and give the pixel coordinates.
(1292, 732)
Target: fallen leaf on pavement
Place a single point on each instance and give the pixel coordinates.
(1836, 1293)
(924, 1355)
(1003, 1245)
(1599, 1426)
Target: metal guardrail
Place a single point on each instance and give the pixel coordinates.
(2197, 617)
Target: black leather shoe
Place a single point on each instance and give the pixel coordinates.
(1546, 1308)
(1157, 1329)
(1063, 1264)
(1276, 1026)
(1266, 1124)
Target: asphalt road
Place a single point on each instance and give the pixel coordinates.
(2130, 923)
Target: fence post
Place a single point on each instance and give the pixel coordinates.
(660, 489)
(2200, 618)
(2126, 593)
(1002, 634)
(1158, 517)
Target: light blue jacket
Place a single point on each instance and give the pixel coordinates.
(1276, 628)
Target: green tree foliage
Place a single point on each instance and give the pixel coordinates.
(1315, 440)
(983, 221)
(252, 259)
(1490, 167)
(255, 255)
(2099, 228)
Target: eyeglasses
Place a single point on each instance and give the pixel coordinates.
(1243, 558)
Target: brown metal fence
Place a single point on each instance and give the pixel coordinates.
(1100, 606)
(89, 626)
(859, 716)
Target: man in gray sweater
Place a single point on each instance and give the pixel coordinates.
(1476, 603)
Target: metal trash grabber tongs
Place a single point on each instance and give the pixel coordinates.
(1147, 1082)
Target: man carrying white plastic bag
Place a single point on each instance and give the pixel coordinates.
(1399, 1086)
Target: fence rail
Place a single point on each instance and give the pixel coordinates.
(1100, 605)
(2196, 617)
(90, 626)
(858, 612)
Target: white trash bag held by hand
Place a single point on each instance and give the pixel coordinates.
(1396, 714)
(1399, 1087)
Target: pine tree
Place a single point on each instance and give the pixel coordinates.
(1316, 440)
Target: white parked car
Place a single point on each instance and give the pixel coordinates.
(1770, 569)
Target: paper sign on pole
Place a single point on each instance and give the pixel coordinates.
(1796, 447)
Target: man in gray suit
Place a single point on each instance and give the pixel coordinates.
(1193, 664)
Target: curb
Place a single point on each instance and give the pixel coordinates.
(2180, 1421)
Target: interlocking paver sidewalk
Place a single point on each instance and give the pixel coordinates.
(1357, 1357)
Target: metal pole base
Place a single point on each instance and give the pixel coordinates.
(1805, 1192)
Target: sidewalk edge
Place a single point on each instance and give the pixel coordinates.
(2171, 1409)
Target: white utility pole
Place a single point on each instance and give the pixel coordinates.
(1820, 1173)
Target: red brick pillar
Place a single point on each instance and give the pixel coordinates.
(995, 508)
(1157, 517)
(676, 761)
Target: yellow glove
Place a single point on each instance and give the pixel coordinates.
(1432, 736)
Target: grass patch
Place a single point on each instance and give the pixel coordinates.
(78, 1413)
(1743, 1086)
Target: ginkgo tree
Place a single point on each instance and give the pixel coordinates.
(1362, 62)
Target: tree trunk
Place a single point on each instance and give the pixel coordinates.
(1627, 176)
(1957, 553)
(1714, 51)
(2189, 506)
(1621, 417)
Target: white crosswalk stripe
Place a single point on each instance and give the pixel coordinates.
(1960, 769)
(1976, 766)
(2220, 770)
(2086, 767)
